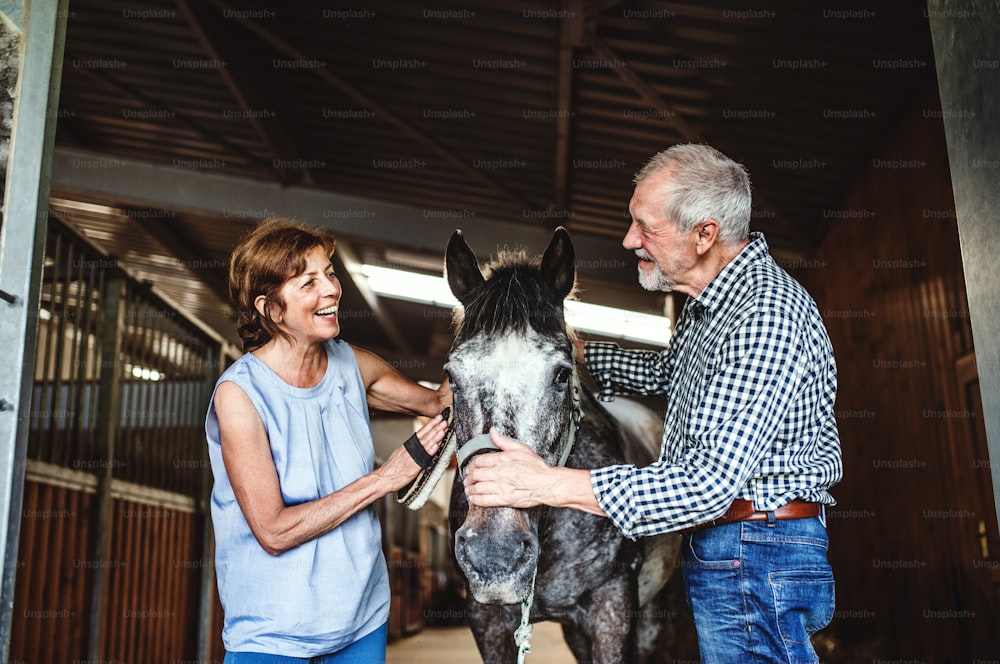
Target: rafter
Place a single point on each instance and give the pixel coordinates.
(138, 95)
(178, 246)
(571, 30)
(644, 90)
(372, 104)
(251, 100)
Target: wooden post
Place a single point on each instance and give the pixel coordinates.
(108, 417)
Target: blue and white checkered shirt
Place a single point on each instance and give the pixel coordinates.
(750, 381)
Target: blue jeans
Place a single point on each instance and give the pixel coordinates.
(368, 649)
(758, 590)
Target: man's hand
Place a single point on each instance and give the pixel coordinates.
(513, 477)
(517, 477)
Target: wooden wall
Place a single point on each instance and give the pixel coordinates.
(152, 610)
(154, 568)
(52, 590)
(914, 538)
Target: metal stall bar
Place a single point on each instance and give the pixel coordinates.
(105, 440)
(206, 588)
(48, 379)
(22, 239)
(88, 366)
(69, 318)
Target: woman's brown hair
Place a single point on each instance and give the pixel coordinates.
(264, 259)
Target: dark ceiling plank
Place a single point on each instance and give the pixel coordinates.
(601, 7)
(210, 29)
(372, 104)
(644, 90)
(138, 95)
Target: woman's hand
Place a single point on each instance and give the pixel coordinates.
(400, 469)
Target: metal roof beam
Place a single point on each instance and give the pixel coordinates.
(109, 179)
(644, 90)
(180, 247)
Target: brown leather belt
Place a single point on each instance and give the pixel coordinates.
(742, 510)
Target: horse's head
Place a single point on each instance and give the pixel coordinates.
(511, 367)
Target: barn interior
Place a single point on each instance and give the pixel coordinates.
(179, 125)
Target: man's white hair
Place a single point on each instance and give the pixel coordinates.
(702, 183)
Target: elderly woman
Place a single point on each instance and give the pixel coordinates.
(298, 546)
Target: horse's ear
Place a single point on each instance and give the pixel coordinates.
(558, 269)
(462, 267)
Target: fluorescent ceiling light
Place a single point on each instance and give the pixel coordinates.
(411, 286)
(622, 323)
(607, 321)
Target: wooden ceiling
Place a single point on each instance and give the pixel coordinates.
(406, 121)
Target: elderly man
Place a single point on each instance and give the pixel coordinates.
(750, 444)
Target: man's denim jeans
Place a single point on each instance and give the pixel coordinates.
(759, 589)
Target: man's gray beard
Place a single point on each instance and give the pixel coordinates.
(655, 280)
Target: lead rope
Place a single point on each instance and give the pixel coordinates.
(522, 635)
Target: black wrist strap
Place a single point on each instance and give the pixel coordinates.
(418, 453)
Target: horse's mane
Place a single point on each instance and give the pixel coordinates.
(513, 298)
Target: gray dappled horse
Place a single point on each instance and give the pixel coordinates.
(511, 366)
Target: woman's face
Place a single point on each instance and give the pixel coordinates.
(311, 301)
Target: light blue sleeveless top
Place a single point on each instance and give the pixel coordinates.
(327, 593)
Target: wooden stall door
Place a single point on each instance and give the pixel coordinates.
(986, 548)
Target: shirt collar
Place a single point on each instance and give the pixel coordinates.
(719, 288)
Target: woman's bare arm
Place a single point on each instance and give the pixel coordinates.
(392, 391)
(246, 453)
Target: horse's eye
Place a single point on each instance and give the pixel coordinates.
(562, 376)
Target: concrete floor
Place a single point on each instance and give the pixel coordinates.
(455, 645)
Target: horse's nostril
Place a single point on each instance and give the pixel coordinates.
(525, 547)
(492, 555)
(460, 544)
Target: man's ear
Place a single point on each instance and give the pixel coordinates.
(708, 234)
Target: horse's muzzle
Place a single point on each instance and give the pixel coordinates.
(498, 551)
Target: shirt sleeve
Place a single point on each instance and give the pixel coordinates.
(619, 371)
(726, 434)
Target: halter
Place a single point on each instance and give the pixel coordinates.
(483, 443)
